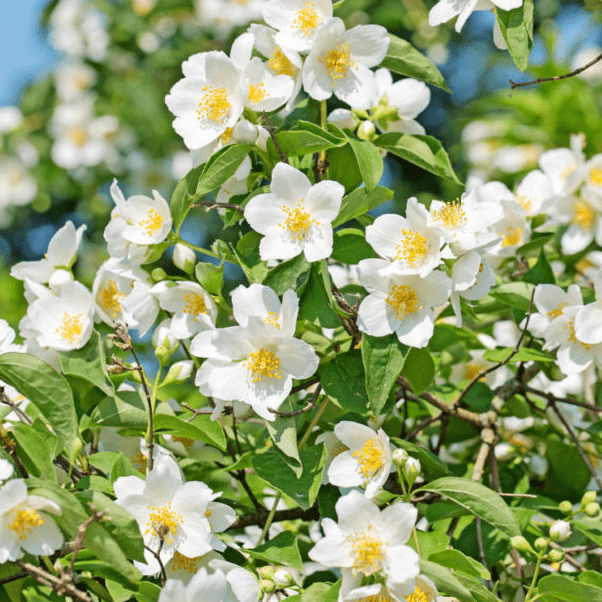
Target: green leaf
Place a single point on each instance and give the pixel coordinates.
(292, 274)
(210, 276)
(307, 138)
(454, 559)
(360, 201)
(282, 549)
(428, 460)
(591, 528)
(148, 592)
(445, 580)
(516, 26)
(350, 246)
(514, 294)
(125, 408)
(430, 542)
(419, 369)
(404, 59)
(567, 475)
(541, 272)
(344, 381)
(479, 500)
(591, 578)
(200, 428)
(563, 588)
(369, 160)
(181, 197)
(343, 168)
(524, 354)
(424, 151)
(383, 359)
(318, 592)
(247, 253)
(49, 392)
(220, 167)
(274, 470)
(283, 432)
(478, 591)
(33, 452)
(316, 303)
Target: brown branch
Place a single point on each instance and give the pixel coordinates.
(310, 405)
(259, 518)
(550, 397)
(78, 544)
(157, 555)
(215, 205)
(428, 421)
(62, 585)
(541, 80)
(272, 132)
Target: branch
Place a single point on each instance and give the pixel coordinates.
(215, 205)
(63, 585)
(259, 518)
(78, 544)
(310, 405)
(268, 126)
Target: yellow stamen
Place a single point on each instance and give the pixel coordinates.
(297, 221)
(272, 319)
(451, 216)
(214, 104)
(257, 92)
(195, 304)
(227, 135)
(418, 596)
(412, 249)
(558, 311)
(573, 338)
(25, 519)
(584, 216)
(71, 327)
(512, 237)
(183, 563)
(403, 300)
(280, 64)
(367, 552)
(163, 522)
(78, 136)
(153, 223)
(110, 298)
(263, 364)
(307, 19)
(525, 202)
(369, 457)
(595, 176)
(338, 61)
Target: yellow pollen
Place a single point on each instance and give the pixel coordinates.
(571, 167)
(584, 264)
(470, 371)
(525, 202)
(195, 304)
(163, 522)
(584, 216)
(369, 458)
(24, 522)
(214, 104)
(138, 461)
(367, 552)
(263, 364)
(78, 136)
(573, 338)
(257, 92)
(403, 300)
(152, 224)
(297, 221)
(418, 596)
(71, 327)
(382, 596)
(16, 177)
(338, 61)
(513, 237)
(595, 176)
(412, 248)
(280, 64)
(451, 216)
(272, 319)
(110, 298)
(558, 311)
(184, 563)
(208, 513)
(227, 135)
(307, 19)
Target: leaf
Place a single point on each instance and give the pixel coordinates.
(567, 475)
(383, 359)
(201, 428)
(516, 26)
(524, 354)
(292, 274)
(48, 390)
(33, 452)
(125, 408)
(478, 591)
(419, 369)
(343, 380)
(282, 549)
(563, 588)
(316, 303)
(350, 246)
(479, 500)
(403, 58)
(221, 166)
(181, 197)
(343, 167)
(430, 542)
(445, 580)
(590, 528)
(541, 272)
(210, 276)
(318, 592)
(360, 201)
(428, 460)
(454, 559)
(147, 592)
(273, 469)
(514, 294)
(591, 578)
(369, 160)
(305, 139)
(283, 432)
(89, 363)
(424, 151)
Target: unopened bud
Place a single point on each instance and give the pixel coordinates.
(521, 544)
(283, 578)
(588, 498)
(266, 572)
(245, 131)
(178, 372)
(556, 555)
(592, 509)
(565, 507)
(411, 470)
(541, 543)
(184, 258)
(400, 456)
(267, 586)
(560, 531)
(159, 275)
(366, 131)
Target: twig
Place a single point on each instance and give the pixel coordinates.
(428, 421)
(78, 544)
(310, 405)
(157, 555)
(259, 518)
(306, 384)
(215, 205)
(63, 585)
(521, 495)
(552, 398)
(540, 80)
(268, 126)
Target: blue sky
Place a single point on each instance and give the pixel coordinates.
(23, 47)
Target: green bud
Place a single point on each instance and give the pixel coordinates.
(541, 543)
(556, 555)
(588, 498)
(411, 470)
(266, 572)
(566, 507)
(178, 372)
(267, 586)
(592, 509)
(521, 544)
(159, 274)
(400, 456)
(184, 258)
(366, 131)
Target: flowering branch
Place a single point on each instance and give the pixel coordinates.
(62, 585)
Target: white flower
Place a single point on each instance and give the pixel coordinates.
(173, 515)
(295, 216)
(560, 530)
(565, 166)
(6, 469)
(10, 118)
(17, 186)
(368, 541)
(513, 229)
(236, 184)
(60, 255)
(551, 301)
(409, 242)
(265, 91)
(25, 525)
(445, 10)
(339, 62)
(184, 258)
(533, 192)
(588, 327)
(221, 16)
(400, 303)
(72, 78)
(367, 461)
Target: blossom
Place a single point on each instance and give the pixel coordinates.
(565, 166)
(295, 216)
(339, 62)
(366, 461)
(367, 541)
(445, 10)
(588, 327)
(400, 303)
(560, 530)
(173, 515)
(25, 525)
(551, 301)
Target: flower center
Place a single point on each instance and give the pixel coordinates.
(183, 563)
(584, 216)
(78, 136)
(71, 327)
(338, 61)
(571, 167)
(214, 104)
(227, 135)
(263, 364)
(163, 522)
(152, 224)
(280, 64)
(574, 339)
(512, 237)
(369, 457)
(403, 300)
(418, 596)
(525, 202)
(138, 461)
(595, 176)
(195, 304)
(110, 298)
(558, 311)
(412, 248)
(451, 216)
(470, 371)
(367, 551)
(24, 522)
(272, 319)
(297, 221)
(307, 19)
(257, 92)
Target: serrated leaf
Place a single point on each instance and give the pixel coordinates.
(514, 294)
(292, 274)
(383, 359)
(479, 500)
(44, 387)
(454, 559)
(424, 151)
(343, 379)
(516, 26)
(360, 201)
(282, 549)
(419, 369)
(563, 588)
(404, 59)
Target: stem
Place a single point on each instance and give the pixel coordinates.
(529, 596)
(270, 518)
(199, 249)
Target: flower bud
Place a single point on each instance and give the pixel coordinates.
(411, 470)
(521, 544)
(245, 131)
(262, 139)
(266, 572)
(266, 586)
(283, 578)
(565, 507)
(556, 555)
(560, 531)
(366, 131)
(592, 509)
(165, 343)
(400, 456)
(343, 118)
(159, 275)
(184, 258)
(178, 372)
(541, 543)
(588, 498)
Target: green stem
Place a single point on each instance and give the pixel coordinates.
(199, 249)
(530, 597)
(270, 518)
